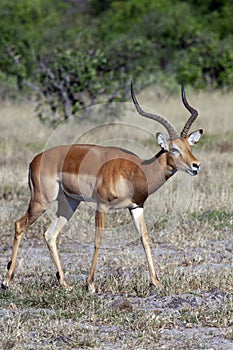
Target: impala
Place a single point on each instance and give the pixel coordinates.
(112, 177)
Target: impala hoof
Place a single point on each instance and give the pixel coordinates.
(68, 287)
(63, 282)
(157, 284)
(91, 288)
(4, 285)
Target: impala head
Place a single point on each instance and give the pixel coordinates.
(178, 147)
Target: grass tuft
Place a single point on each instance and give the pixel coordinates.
(219, 219)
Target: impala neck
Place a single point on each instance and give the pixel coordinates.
(158, 170)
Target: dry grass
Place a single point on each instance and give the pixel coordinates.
(190, 223)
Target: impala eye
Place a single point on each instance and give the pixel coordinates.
(174, 150)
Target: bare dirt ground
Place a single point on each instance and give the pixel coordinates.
(190, 222)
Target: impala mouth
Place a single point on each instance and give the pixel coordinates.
(192, 172)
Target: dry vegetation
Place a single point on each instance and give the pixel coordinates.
(190, 221)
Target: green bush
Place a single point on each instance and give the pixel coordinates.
(73, 80)
(79, 55)
(28, 31)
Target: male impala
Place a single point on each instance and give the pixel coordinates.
(111, 177)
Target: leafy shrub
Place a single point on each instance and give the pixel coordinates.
(73, 80)
(85, 53)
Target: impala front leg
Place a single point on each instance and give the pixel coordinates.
(100, 218)
(139, 221)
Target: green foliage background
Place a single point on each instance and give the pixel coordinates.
(76, 53)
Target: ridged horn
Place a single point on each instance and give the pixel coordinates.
(171, 131)
(193, 112)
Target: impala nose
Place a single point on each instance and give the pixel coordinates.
(196, 168)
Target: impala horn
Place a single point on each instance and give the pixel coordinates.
(193, 112)
(171, 131)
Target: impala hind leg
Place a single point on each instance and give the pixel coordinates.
(139, 221)
(100, 218)
(66, 208)
(35, 209)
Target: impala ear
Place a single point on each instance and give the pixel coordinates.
(194, 137)
(162, 141)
